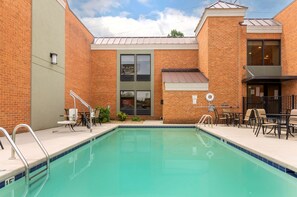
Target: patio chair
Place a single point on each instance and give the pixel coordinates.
(293, 120)
(72, 119)
(262, 122)
(249, 117)
(220, 117)
(1, 145)
(96, 117)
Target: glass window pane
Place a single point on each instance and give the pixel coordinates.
(254, 53)
(143, 103)
(127, 102)
(143, 67)
(271, 53)
(127, 67)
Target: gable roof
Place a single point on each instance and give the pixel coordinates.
(220, 8)
(225, 5)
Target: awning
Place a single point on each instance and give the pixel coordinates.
(184, 80)
(268, 79)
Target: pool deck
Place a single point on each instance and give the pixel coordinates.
(280, 151)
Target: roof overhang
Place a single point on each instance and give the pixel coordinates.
(208, 12)
(184, 80)
(269, 79)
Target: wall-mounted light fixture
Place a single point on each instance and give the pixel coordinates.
(54, 58)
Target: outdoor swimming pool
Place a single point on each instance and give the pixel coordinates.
(158, 162)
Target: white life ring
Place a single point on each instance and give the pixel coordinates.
(209, 97)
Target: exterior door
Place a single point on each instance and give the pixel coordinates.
(265, 96)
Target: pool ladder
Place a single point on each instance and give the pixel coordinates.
(206, 119)
(15, 149)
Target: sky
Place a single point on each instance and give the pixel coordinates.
(105, 18)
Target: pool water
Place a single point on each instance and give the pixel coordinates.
(158, 162)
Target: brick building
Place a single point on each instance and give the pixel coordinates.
(152, 77)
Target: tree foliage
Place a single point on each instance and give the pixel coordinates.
(175, 34)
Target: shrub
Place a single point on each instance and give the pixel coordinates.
(122, 116)
(136, 118)
(104, 114)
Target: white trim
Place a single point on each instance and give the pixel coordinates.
(186, 86)
(264, 29)
(62, 3)
(218, 12)
(143, 46)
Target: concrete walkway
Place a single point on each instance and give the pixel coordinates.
(280, 151)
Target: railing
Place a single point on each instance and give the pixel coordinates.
(18, 153)
(205, 119)
(271, 104)
(75, 96)
(13, 150)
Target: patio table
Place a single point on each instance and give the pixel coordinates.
(279, 120)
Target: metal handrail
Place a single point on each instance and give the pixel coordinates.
(15, 148)
(75, 96)
(36, 139)
(203, 119)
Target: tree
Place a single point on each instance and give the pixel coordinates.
(175, 34)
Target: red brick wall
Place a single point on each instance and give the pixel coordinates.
(178, 106)
(170, 59)
(104, 79)
(77, 59)
(224, 65)
(288, 18)
(266, 36)
(15, 50)
(203, 48)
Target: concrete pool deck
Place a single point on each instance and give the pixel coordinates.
(280, 151)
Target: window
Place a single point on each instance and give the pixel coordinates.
(143, 103)
(127, 67)
(255, 53)
(263, 52)
(141, 70)
(143, 67)
(127, 102)
(271, 53)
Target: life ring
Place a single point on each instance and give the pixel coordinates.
(209, 97)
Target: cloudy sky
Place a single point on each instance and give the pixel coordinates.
(156, 17)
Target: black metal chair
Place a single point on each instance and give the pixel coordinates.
(220, 117)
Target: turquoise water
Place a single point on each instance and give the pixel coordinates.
(158, 162)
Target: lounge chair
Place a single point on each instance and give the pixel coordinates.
(262, 122)
(72, 119)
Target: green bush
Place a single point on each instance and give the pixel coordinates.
(122, 116)
(136, 118)
(104, 115)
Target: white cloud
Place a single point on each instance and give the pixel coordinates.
(93, 7)
(143, 1)
(163, 23)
